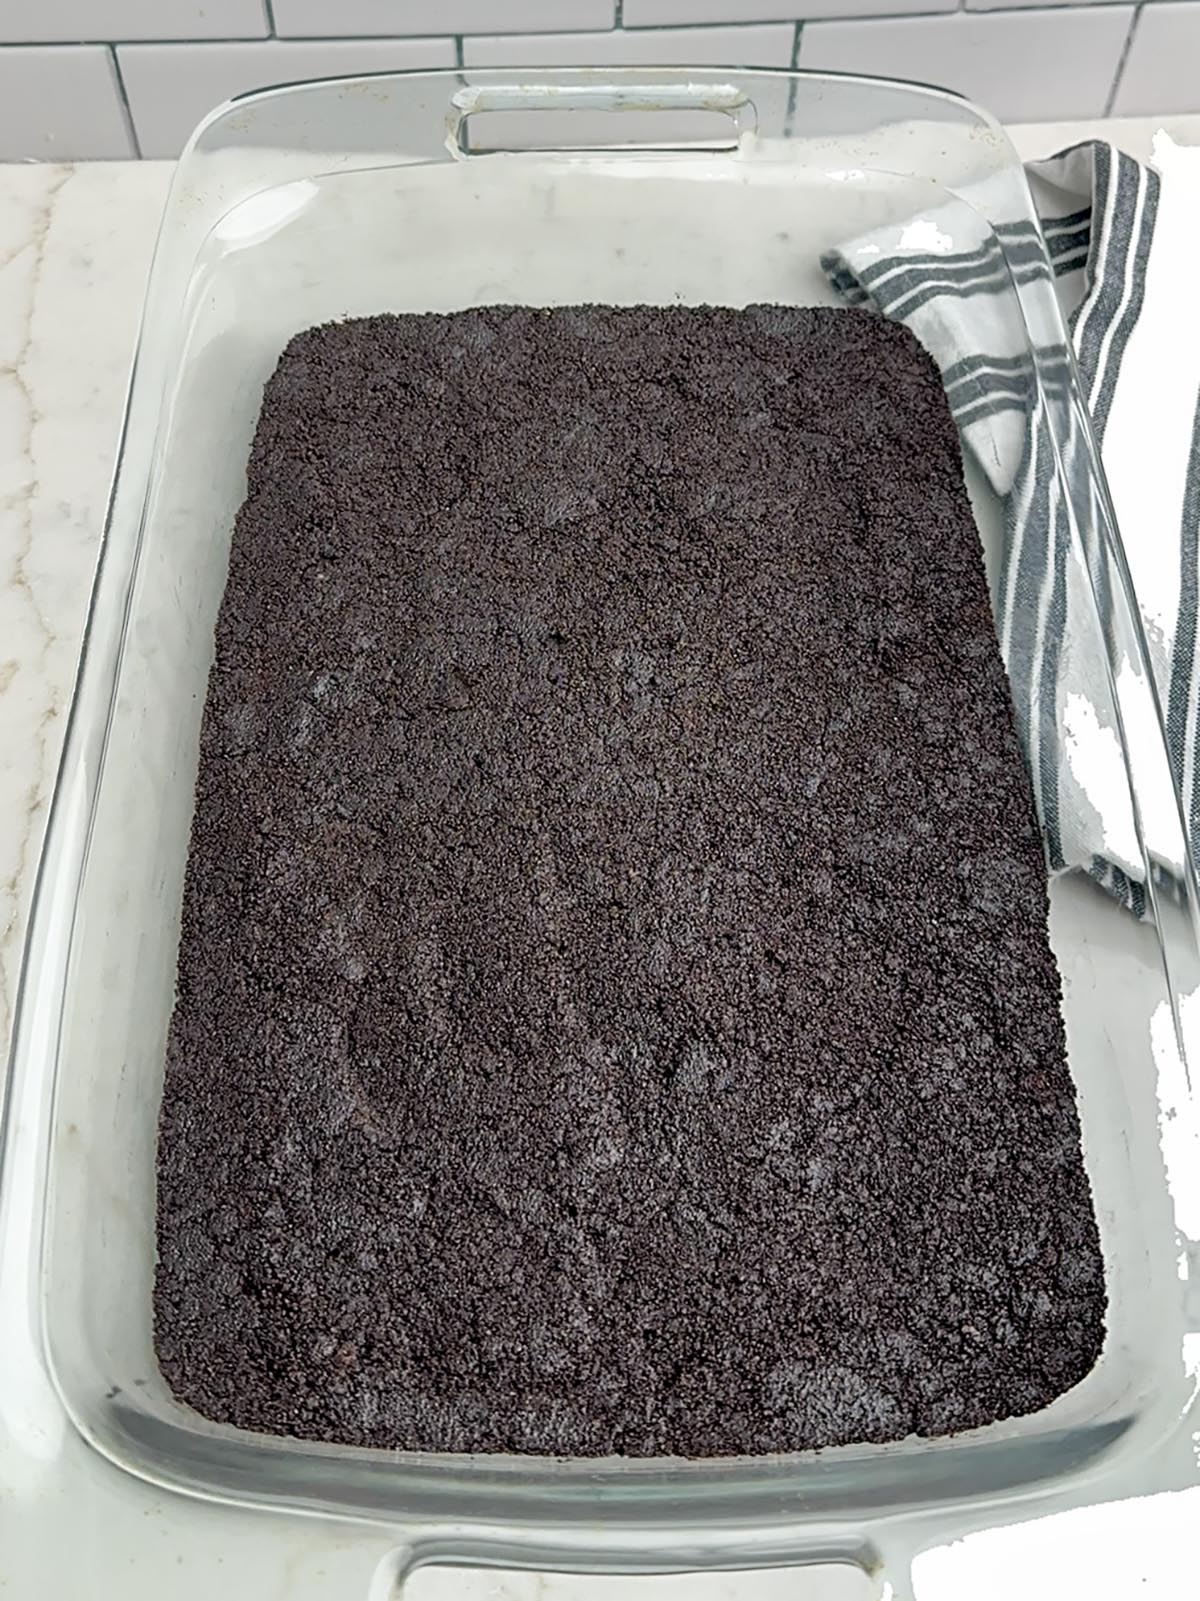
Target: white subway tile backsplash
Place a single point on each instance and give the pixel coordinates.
(1024, 66)
(762, 45)
(1162, 69)
(399, 17)
(62, 92)
(668, 13)
(171, 87)
(61, 103)
(114, 20)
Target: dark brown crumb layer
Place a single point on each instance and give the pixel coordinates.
(615, 1010)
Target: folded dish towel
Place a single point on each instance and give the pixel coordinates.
(1123, 239)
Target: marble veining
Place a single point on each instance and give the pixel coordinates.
(26, 628)
(75, 244)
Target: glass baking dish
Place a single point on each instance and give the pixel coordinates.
(435, 191)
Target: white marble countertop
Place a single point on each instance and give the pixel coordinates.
(75, 246)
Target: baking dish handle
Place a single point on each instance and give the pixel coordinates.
(837, 1566)
(472, 100)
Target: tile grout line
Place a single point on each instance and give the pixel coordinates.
(126, 108)
(789, 115)
(920, 8)
(1114, 87)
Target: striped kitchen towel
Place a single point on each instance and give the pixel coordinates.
(1122, 240)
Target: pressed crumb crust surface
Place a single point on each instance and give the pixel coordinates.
(615, 1011)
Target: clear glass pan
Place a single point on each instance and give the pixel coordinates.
(435, 191)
